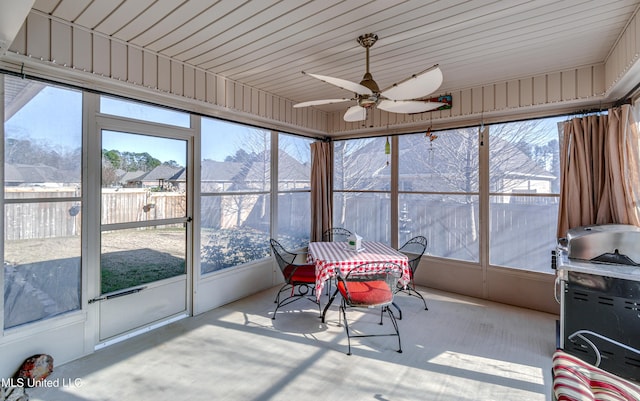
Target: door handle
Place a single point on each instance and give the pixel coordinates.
(117, 294)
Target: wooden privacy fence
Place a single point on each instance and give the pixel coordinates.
(126, 205)
(517, 230)
(48, 218)
(520, 234)
(44, 217)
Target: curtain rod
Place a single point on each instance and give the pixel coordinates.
(624, 100)
(627, 99)
(470, 125)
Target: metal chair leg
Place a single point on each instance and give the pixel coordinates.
(395, 305)
(309, 293)
(395, 326)
(346, 327)
(414, 293)
(411, 291)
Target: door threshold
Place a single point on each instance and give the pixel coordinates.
(137, 332)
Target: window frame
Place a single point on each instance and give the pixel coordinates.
(266, 194)
(77, 200)
(358, 228)
(294, 191)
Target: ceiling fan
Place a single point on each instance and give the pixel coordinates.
(402, 97)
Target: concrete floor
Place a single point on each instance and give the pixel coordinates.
(460, 349)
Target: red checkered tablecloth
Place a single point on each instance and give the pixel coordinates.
(331, 257)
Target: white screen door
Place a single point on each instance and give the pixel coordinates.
(144, 231)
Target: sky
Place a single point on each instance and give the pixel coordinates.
(60, 126)
(60, 121)
(163, 149)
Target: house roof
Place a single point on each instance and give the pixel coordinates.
(212, 170)
(162, 172)
(291, 169)
(427, 165)
(130, 176)
(30, 174)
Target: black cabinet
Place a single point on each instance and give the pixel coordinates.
(602, 315)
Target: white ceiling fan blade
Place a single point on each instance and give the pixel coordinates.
(408, 106)
(419, 85)
(342, 83)
(355, 113)
(320, 102)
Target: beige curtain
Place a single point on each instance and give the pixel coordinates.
(321, 184)
(599, 170)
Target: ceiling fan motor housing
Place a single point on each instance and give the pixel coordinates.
(368, 81)
(369, 101)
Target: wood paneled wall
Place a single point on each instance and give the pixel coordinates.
(45, 39)
(623, 66)
(588, 87)
(566, 91)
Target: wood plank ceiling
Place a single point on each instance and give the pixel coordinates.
(267, 43)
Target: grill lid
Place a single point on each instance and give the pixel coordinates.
(605, 243)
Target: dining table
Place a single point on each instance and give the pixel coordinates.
(333, 258)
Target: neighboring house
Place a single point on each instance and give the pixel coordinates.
(39, 175)
(519, 174)
(164, 177)
(245, 209)
(218, 176)
(292, 174)
(12, 176)
(130, 179)
(439, 168)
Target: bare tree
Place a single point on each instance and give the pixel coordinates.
(359, 164)
(521, 158)
(450, 163)
(523, 152)
(109, 174)
(447, 163)
(253, 154)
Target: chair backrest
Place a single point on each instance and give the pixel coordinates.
(370, 284)
(414, 249)
(283, 257)
(336, 234)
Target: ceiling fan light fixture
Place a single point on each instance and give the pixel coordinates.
(367, 101)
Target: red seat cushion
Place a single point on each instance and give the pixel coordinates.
(302, 273)
(375, 292)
